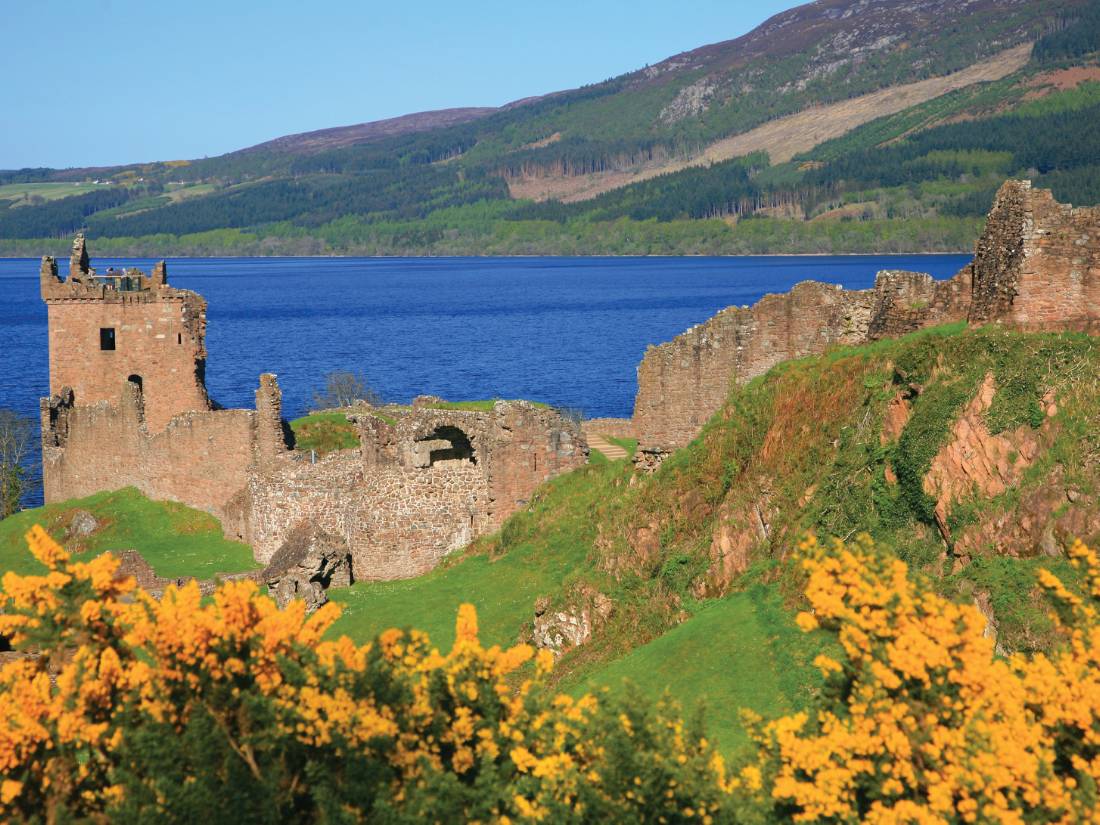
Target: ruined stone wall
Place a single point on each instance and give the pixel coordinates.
(408, 521)
(529, 445)
(405, 499)
(1037, 266)
(200, 458)
(292, 491)
(683, 382)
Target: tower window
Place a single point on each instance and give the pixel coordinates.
(107, 338)
(179, 337)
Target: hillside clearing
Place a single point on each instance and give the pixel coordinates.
(784, 137)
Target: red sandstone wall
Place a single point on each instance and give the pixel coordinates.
(152, 339)
(1057, 278)
(200, 459)
(528, 445)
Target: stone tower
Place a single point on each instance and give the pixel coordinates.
(125, 332)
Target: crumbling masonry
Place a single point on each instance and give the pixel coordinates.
(129, 407)
(1037, 266)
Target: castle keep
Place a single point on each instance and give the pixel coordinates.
(1036, 266)
(129, 407)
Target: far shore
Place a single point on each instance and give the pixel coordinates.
(505, 257)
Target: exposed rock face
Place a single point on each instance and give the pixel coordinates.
(739, 530)
(572, 626)
(976, 462)
(82, 524)
(1043, 521)
(1037, 266)
(309, 562)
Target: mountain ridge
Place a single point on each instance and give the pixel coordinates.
(728, 131)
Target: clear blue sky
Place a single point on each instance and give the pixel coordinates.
(98, 82)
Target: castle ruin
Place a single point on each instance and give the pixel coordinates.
(129, 407)
(1036, 267)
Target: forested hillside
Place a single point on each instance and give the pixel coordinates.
(646, 162)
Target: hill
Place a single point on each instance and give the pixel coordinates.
(835, 127)
(970, 453)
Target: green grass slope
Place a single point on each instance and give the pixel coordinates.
(740, 652)
(176, 540)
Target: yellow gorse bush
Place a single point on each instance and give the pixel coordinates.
(920, 722)
(188, 708)
(161, 708)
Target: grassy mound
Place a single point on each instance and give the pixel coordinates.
(742, 651)
(174, 539)
(324, 432)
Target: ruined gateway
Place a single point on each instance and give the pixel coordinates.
(129, 406)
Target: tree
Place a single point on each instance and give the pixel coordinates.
(15, 441)
(343, 389)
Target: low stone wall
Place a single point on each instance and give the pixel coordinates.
(609, 427)
(202, 459)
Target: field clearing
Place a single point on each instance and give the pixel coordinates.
(48, 191)
(784, 137)
(182, 193)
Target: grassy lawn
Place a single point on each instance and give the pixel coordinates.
(743, 651)
(176, 540)
(324, 432)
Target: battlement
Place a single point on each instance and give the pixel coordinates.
(110, 331)
(86, 284)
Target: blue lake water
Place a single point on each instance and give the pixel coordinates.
(567, 331)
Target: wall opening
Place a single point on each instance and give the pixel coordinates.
(450, 444)
(179, 337)
(137, 382)
(106, 338)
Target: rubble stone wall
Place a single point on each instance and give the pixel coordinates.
(1036, 266)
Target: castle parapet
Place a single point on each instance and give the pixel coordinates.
(125, 326)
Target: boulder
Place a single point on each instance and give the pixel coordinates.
(82, 524)
(310, 561)
(571, 626)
